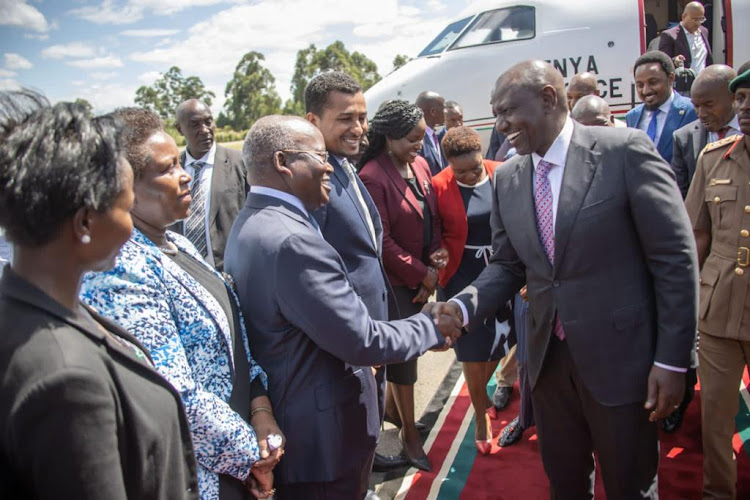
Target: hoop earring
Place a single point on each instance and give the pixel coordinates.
(85, 239)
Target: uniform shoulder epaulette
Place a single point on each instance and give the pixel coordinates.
(721, 143)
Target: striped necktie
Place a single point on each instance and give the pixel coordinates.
(544, 221)
(195, 225)
(363, 206)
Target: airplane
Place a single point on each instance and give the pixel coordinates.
(463, 61)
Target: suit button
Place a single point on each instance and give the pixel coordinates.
(717, 199)
(739, 272)
(555, 283)
(744, 233)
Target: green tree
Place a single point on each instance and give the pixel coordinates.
(251, 93)
(400, 60)
(170, 90)
(311, 62)
(86, 105)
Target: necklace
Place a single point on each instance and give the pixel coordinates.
(168, 249)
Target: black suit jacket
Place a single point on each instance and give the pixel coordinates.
(81, 416)
(673, 42)
(624, 282)
(689, 141)
(229, 190)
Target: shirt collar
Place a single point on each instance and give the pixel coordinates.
(429, 131)
(280, 195)
(558, 151)
(664, 108)
(734, 123)
(207, 158)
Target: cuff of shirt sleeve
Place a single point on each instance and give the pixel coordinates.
(670, 368)
(464, 312)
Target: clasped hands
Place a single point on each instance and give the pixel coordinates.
(438, 260)
(448, 320)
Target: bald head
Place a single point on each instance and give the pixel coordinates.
(592, 110)
(270, 134)
(530, 104)
(712, 99)
(580, 85)
(432, 105)
(196, 123)
(693, 16)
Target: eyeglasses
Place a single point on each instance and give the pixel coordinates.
(321, 156)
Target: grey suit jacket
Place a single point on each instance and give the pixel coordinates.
(81, 416)
(229, 190)
(315, 339)
(689, 141)
(624, 281)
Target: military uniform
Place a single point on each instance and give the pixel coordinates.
(718, 203)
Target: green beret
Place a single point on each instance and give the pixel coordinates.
(743, 79)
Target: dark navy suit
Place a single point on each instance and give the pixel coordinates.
(437, 162)
(680, 114)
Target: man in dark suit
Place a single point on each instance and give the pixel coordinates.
(219, 186)
(350, 221)
(433, 107)
(454, 117)
(688, 43)
(307, 324)
(663, 111)
(591, 219)
(714, 105)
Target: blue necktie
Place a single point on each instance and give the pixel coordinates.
(651, 132)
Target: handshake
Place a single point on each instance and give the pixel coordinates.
(448, 320)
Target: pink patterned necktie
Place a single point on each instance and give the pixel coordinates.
(544, 222)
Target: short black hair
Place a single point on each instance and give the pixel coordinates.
(394, 119)
(655, 56)
(53, 162)
(462, 140)
(316, 92)
(137, 125)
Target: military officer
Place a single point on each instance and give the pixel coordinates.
(719, 206)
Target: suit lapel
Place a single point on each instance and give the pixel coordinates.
(671, 122)
(580, 166)
(700, 138)
(218, 185)
(523, 189)
(683, 47)
(387, 165)
(343, 179)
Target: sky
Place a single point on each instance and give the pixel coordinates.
(103, 50)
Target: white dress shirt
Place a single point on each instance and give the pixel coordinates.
(556, 155)
(206, 174)
(5, 249)
(698, 51)
(661, 118)
(734, 129)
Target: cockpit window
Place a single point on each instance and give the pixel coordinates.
(501, 25)
(445, 38)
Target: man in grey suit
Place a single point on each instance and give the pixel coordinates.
(714, 105)
(591, 220)
(307, 325)
(219, 186)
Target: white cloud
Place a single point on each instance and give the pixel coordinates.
(105, 97)
(4, 73)
(17, 61)
(73, 49)
(149, 77)
(21, 14)
(97, 62)
(149, 33)
(104, 75)
(130, 11)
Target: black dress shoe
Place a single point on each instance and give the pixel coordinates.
(673, 421)
(384, 463)
(421, 463)
(511, 433)
(501, 398)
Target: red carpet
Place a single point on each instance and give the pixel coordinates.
(516, 472)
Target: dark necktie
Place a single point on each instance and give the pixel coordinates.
(195, 225)
(652, 125)
(544, 221)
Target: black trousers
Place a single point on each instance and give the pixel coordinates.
(572, 425)
(351, 486)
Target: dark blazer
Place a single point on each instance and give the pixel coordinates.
(229, 190)
(624, 280)
(316, 338)
(344, 226)
(680, 114)
(81, 416)
(674, 42)
(402, 218)
(455, 225)
(689, 141)
(429, 153)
